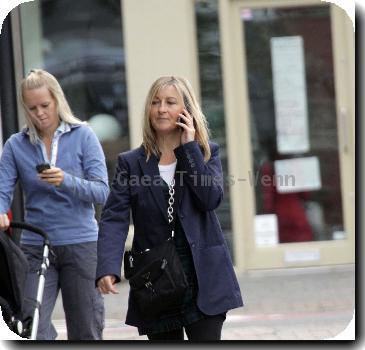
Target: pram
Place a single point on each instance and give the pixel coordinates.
(13, 273)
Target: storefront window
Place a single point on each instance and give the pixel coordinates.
(293, 122)
(212, 95)
(80, 42)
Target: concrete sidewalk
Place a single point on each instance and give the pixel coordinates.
(291, 304)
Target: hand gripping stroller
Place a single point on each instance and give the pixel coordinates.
(13, 274)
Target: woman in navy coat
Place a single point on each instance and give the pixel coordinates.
(175, 149)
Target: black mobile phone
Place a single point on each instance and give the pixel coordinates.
(187, 107)
(182, 121)
(41, 167)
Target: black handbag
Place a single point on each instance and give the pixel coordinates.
(156, 276)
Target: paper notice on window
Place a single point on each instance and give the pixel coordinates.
(290, 96)
(266, 230)
(297, 175)
(301, 256)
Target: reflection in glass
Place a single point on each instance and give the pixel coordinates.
(212, 95)
(303, 215)
(80, 42)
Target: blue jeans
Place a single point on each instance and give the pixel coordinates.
(73, 272)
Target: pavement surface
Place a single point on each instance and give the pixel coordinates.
(312, 303)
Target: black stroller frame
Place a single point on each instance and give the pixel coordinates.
(14, 269)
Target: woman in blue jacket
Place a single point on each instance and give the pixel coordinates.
(60, 200)
(175, 148)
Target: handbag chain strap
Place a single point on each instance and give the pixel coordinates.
(170, 212)
(170, 209)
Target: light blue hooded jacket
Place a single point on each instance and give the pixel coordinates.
(66, 212)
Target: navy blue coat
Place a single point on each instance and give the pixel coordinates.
(199, 188)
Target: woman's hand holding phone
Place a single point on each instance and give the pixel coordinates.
(186, 123)
(53, 176)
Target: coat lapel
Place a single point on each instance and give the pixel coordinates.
(150, 169)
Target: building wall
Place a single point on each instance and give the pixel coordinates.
(158, 44)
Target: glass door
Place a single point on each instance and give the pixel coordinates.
(295, 173)
(293, 123)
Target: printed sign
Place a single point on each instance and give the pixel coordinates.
(290, 96)
(297, 175)
(298, 256)
(266, 230)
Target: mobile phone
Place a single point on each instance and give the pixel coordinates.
(43, 166)
(187, 107)
(182, 121)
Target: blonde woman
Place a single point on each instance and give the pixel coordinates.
(175, 150)
(61, 166)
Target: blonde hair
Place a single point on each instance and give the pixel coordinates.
(188, 98)
(38, 78)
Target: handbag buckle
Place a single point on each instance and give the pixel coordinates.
(131, 261)
(149, 286)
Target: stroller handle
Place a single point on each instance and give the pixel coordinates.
(23, 225)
